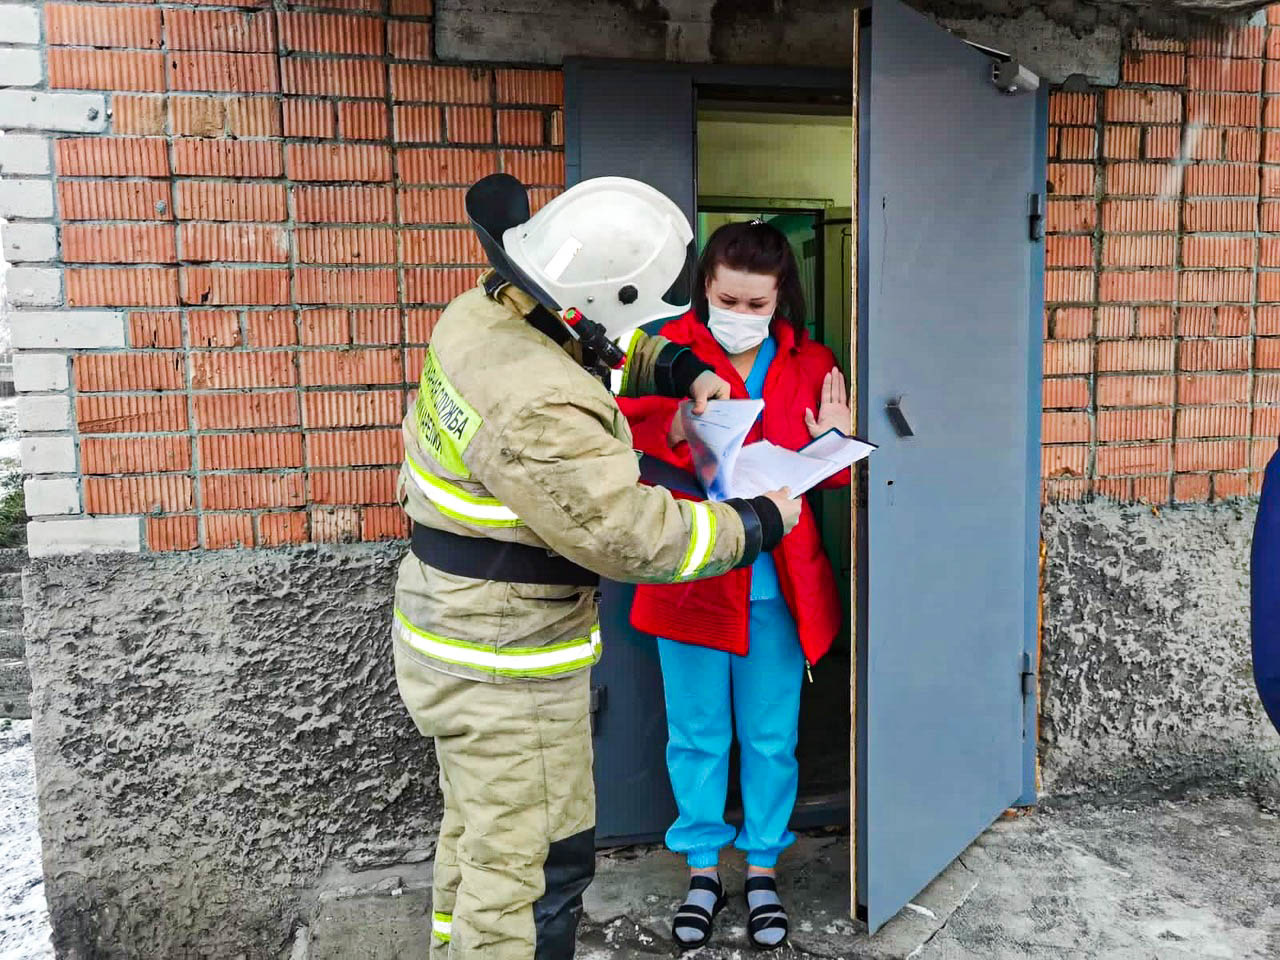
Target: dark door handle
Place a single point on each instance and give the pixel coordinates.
(898, 418)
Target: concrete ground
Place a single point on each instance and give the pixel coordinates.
(1191, 880)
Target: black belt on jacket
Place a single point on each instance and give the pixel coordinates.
(483, 559)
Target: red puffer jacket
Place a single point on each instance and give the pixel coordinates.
(715, 613)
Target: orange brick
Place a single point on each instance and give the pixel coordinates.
(1151, 489)
(383, 523)
(135, 243)
(1139, 216)
(345, 286)
(1190, 489)
(1119, 143)
(342, 204)
(325, 326)
(1116, 426)
(223, 531)
(231, 72)
(1070, 393)
(1222, 180)
(1065, 251)
(79, 69)
(461, 246)
(231, 201)
(154, 330)
(436, 205)
(1211, 455)
(138, 115)
(334, 78)
(1145, 251)
(1065, 428)
(197, 116)
(354, 367)
(1143, 179)
(279, 529)
(1268, 353)
(1126, 391)
(1271, 109)
(1243, 146)
(1116, 322)
(1071, 323)
(1236, 42)
(309, 118)
(214, 328)
(1208, 251)
(363, 121)
(235, 411)
(99, 455)
(1167, 69)
(218, 286)
(436, 285)
(1143, 106)
(1213, 73)
(469, 124)
(343, 487)
(1213, 422)
(1162, 143)
(172, 533)
(445, 166)
(534, 166)
(1266, 422)
(254, 117)
(1226, 321)
(1073, 108)
(331, 33)
(227, 158)
(1070, 216)
(1222, 109)
(1232, 354)
(1155, 321)
(107, 372)
(328, 409)
(1067, 356)
(345, 245)
(220, 31)
(410, 41)
(1115, 488)
(1213, 388)
(239, 242)
(1074, 143)
(1221, 216)
(123, 287)
(1272, 82)
(80, 25)
(1216, 286)
(249, 451)
(335, 525)
(1063, 461)
(441, 84)
(338, 162)
(1271, 181)
(354, 448)
(418, 124)
(1141, 41)
(114, 157)
(254, 491)
(272, 328)
(1125, 355)
(1130, 460)
(132, 413)
(557, 128)
(1268, 321)
(222, 369)
(545, 87)
(1227, 486)
(138, 495)
(1115, 286)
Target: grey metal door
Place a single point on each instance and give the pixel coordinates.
(949, 164)
(630, 120)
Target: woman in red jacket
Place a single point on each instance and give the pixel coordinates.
(735, 649)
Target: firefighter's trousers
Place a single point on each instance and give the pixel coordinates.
(517, 842)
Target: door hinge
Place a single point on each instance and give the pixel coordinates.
(1028, 677)
(598, 698)
(1036, 218)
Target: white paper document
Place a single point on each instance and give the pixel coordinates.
(727, 468)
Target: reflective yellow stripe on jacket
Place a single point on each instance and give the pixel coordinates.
(442, 926)
(702, 542)
(548, 661)
(453, 501)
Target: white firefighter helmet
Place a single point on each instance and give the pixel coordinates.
(615, 248)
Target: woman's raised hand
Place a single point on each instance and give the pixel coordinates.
(833, 407)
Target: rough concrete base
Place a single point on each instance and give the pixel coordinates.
(1186, 881)
(1147, 679)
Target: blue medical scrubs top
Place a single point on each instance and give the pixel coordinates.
(764, 574)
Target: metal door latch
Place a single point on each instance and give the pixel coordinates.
(898, 418)
(598, 697)
(1028, 677)
(1036, 218)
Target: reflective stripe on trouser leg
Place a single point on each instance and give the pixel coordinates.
(518, 757)
(445, 873)
(570, 866)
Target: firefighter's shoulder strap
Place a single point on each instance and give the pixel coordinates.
(502, 291)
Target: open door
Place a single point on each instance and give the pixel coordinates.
(948, 352)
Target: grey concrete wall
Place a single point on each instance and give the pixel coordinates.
(221, 754)
(1147, 681)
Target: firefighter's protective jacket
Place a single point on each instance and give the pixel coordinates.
(512, 440)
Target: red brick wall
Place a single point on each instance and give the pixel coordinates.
(1162, 320)
(278, 201)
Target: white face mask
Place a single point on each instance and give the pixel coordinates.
(737, 332)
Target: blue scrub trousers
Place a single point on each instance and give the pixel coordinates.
(709, 693)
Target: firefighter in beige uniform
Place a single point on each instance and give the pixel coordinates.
(523, 489)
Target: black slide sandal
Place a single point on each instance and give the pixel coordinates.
(766, 916)
(691, 916)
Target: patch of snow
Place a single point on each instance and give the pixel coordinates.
(24, 914)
